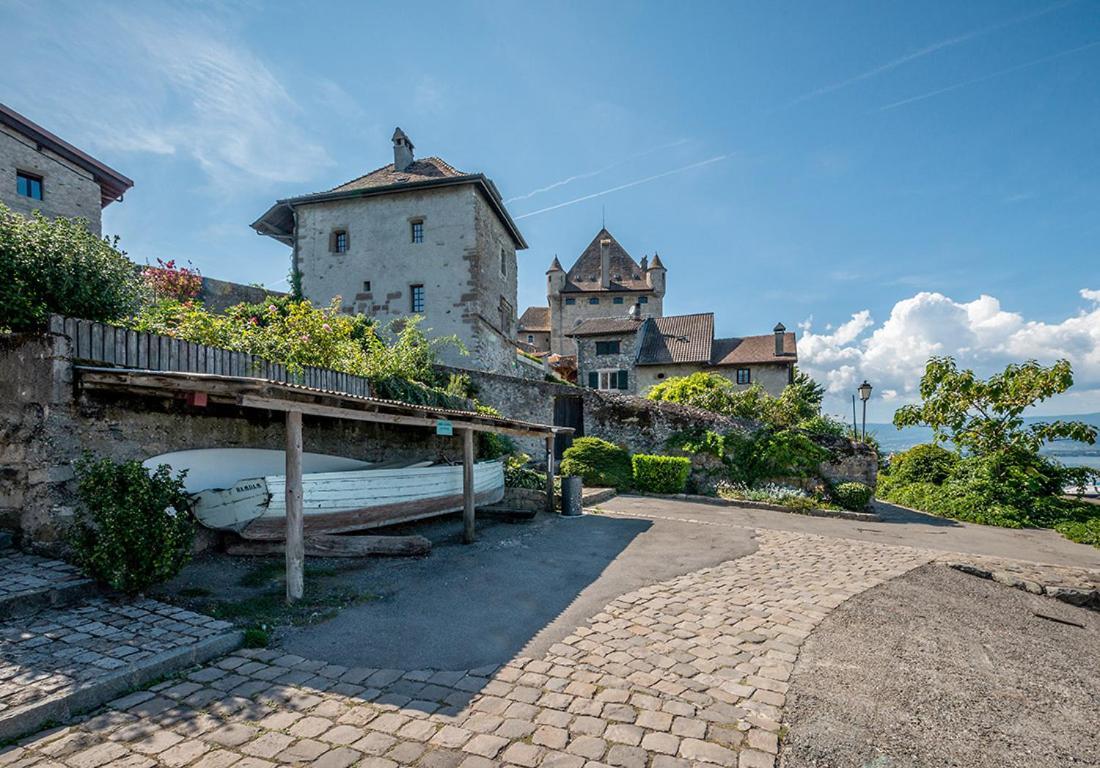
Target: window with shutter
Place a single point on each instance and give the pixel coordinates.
(622, 380)
(593, 380)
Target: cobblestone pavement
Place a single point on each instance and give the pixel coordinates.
(59, 649)
(690, 671)
(21, 573)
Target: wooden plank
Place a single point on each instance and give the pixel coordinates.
(550, 473)
(120, 346)
(95, 349)
(143, 351)
(70, 331)
(84, 334)
(334, 412)
(469, 528)
(326, 545)
(295, 545)
(132, 348)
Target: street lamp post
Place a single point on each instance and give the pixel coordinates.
(864, 395)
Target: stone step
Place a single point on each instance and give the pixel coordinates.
(29, 584)
(65, 661)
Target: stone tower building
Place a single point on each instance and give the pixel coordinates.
(604, 282)
(414, 237)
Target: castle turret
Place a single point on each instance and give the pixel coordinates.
(655, 275)
(555, 278)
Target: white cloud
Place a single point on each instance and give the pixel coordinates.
(173, 81)
(979, 334)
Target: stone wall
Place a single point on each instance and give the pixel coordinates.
(45, 425)
(564, 317)
(67, 190)
(219, 295)
(588, 361)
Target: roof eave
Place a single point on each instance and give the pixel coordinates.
(478, 179)
(112, 184)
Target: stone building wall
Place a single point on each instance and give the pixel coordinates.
(45, 426)
(67, 190)
(588, 361)
(564, 317)
(773, 377)
(458, 263)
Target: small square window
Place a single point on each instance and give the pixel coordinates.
(418, 231)
(593, 300)
(643, 300)
(607, 347)
(416, 292)
(617, 300)
(366, 286)
(743, 376)
(530, 339)
(570, 302)
(28, 185)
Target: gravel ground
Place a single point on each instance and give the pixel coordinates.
(939, 668)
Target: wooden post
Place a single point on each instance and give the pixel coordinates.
(470, 533)
(550, 473)
(295, 539)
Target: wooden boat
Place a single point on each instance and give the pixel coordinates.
(338, 502)
(222, 467)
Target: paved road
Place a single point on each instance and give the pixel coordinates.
(689, 664)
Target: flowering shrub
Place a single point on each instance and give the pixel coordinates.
(134, 528)
(58, 266)
(167, 281)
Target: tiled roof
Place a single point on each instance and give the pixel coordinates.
(600, 326)
(677, 339)
(428, 169)
(535, 319)
(584, 275)
(753, 349)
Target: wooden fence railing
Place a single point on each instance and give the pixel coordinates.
(110, 345)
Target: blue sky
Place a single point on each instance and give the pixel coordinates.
(864, 172)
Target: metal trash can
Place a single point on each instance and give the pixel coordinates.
(571, 496)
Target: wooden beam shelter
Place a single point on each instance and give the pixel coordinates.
(201, 389)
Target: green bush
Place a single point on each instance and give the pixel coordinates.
(660, 474)
(134, 528)
(57, 266)
(852, 496)
(598, 462)
(924, 463)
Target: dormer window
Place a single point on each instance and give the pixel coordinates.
(338, 241)
(416, 231)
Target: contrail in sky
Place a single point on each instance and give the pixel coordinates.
(927, 50)
(628, 185)
(590, 174)
(990, 76)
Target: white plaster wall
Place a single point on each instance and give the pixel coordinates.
(66, 190)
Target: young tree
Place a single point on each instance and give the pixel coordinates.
(985, 417)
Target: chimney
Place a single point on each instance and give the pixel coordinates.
(780, 331)
(402, 150)
(645, 262)
(605, 262)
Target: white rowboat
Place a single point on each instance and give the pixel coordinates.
(222, 467)
(337, 502)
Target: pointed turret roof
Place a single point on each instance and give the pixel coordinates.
(656, 263)
(626, 274)
(555, 266)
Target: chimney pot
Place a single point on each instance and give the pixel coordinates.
(780, 332)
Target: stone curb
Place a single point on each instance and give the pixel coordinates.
(1082, 598)
(844, 514)
(23, 604)
(597, 496)
(20, 721)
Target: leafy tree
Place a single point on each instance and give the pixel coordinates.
(986, 416)
(708, 391)
(58, 266)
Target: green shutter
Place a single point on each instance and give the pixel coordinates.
(622, 380)
(594, 380)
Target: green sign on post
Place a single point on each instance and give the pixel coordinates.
(444, 427)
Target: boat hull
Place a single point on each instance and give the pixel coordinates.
(222, 467)
(340, 502)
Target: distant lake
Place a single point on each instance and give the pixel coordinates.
(1069, 452)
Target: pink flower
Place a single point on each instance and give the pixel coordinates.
(271, 308)
(327, 327)
(254, 321)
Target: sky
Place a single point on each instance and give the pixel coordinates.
(892, 180)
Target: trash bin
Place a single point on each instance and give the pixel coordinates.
(570, 496)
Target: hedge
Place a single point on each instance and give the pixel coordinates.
(598, 462)
(660, 474)
(853, 496)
